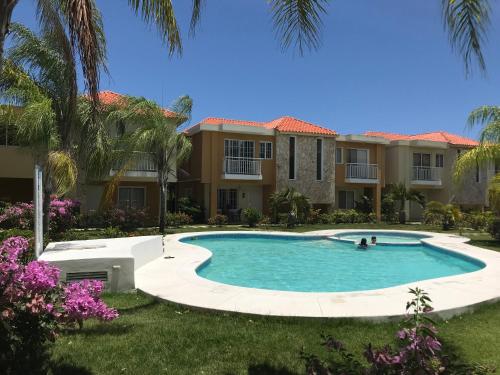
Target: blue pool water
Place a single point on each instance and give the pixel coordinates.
(322, 265)
(382, 237)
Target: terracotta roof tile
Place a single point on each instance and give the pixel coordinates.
(284, 124)
(110, 97)
(438, 136)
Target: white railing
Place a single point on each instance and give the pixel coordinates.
(361, 171)
(242, 166)
(426, 174)
(140, 162)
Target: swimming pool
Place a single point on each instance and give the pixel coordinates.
(320, 264)
(382, 237)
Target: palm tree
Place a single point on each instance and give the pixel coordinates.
(40, 76)
(289, 201)
(157, 135)
(400, 193)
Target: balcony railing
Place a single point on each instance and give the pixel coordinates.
(242, 166)
(140, 162)
(426, 174)
(361, 171)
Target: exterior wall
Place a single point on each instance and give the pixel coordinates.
(203, 172)
(16, 162)
(469, 193)
(320, 192)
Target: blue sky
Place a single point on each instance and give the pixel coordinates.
(383, 65)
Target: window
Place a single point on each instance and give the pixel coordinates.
(459, 152)
(346, 199)
(356, 156)
(131, 197)
(227, 199)
(291, 158)
(338, 155)
(477, 172)
(439, 160)
(497, 166)
(421, 160)
(236, 148)
(319, 159)
(266, 150)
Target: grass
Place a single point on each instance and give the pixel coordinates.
(152, 337)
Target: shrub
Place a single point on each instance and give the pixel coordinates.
(125, 220)
(4, 234)
(251, 216)
(389, 211)
(494, 228)
(177, 219)
(418, 350)
(191, 208)
(79, 235)
(478, 220)
(34, 306)
(265, 220)
(447, 216)
(218, 220)
(291, 204)
(62, 214)
(314, 216)
(19, 215)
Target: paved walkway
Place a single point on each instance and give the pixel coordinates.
(173, 278)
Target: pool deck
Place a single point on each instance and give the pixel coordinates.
(173, 278)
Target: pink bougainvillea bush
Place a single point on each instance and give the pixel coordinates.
(62, 214)
(418, 351)
(35, 305)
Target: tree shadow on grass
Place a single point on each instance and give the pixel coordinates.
(138, 308)
(63, 368)
(268, 369)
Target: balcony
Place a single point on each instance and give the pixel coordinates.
(360, 173)
(426, 176)
(141, 164)
(235, 168)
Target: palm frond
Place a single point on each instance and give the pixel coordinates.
(298, 22)
(467, 22)
(483, 115)
(195, 15)
(161, 13)
(182, 108)
(81, 16)
(478, 156)
(63, 171)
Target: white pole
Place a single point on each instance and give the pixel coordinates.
(38, 208)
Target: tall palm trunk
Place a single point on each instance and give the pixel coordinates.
(6, 8)
(163, 205)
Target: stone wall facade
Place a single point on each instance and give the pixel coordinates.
(320, 192)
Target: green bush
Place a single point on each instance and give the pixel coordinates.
(80, 235)
(478, 220)
(265, 220)
(218, 220)
(251, 216)
(177, 219)
(494, 228)
(191, 208)
(350, 216)
(314, 216)
(389, 210)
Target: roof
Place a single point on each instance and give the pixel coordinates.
(438, 136)
(285, 124)
(110, 97)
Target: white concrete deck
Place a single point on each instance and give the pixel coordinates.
(173, 278)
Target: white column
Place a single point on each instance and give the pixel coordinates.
(38, 210)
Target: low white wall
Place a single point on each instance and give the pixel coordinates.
(118, 257)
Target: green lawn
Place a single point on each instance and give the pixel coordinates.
(153, 337)
(158, 338)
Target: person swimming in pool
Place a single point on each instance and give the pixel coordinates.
(374, 240)
(363, 244)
